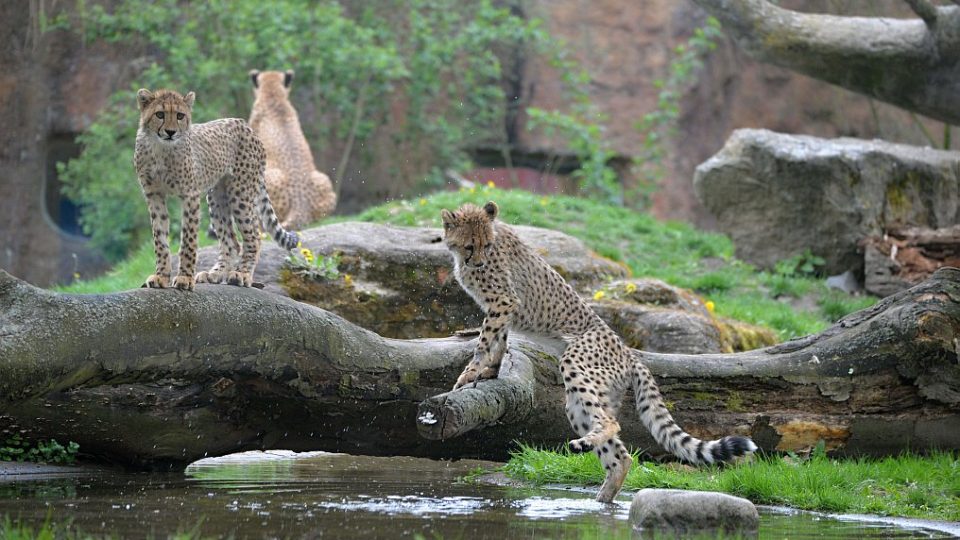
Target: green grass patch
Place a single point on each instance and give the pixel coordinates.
(910, 486)
(16, 529)
(674, 252)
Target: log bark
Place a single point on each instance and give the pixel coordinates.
(910, 63)
(158, 378)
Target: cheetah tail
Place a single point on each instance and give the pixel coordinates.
(657, 419)
(268, 217)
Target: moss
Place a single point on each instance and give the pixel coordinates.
(736, 336)
(734, 402)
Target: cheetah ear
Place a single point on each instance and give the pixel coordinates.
(448, 219)
(144, 97)
(189, 99)
(253, 77)
(287, 78)
(492, 210)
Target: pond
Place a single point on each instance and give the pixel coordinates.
(320, 495)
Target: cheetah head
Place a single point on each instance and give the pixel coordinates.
(165, 113)
(469, 233)
(271, 82)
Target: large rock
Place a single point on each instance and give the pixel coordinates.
(777, 195)
(397, 282)
(684, 512)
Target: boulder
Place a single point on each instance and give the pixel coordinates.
(397, 281)
(777, 195)
(683, 512)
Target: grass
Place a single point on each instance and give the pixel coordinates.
(674, 252)
(908, 486)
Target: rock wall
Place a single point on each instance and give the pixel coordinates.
(51, 87)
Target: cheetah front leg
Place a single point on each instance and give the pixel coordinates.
(160, 226)
(492, 343)
(188, 243)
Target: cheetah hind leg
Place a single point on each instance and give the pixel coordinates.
(222, 224)
(616, 462)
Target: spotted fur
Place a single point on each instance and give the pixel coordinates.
(299, 192)
(518, 290)
(222, 159)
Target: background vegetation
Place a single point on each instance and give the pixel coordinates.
(439, 61)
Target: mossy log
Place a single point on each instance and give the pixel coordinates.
(158, 378)
(910, 63)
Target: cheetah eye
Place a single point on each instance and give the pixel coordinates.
(180, 116)
(160, 115)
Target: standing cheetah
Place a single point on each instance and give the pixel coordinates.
(517, 289)
(223, 159)
(299, 192)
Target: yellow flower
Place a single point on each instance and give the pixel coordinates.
(491, 184)
(598, 295)
(631, 287)
(348, 280)
(307, 254)
(472, 190)
(423, 202)
(543, 201)
(299, 244)
(709, 305)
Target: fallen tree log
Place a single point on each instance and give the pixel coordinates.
(159, 378)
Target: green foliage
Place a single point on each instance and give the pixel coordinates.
(659, 125)
(803, 264)
(436, 61)
(595, 178)
(907, 485)
(313, 266)
(16, 448)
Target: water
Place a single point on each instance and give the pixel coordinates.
(340, 496)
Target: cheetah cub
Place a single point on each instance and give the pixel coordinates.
(300, 193)
(517, 289)
(222, 159)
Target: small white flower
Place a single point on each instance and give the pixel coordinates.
(850, 371)
(427, 418)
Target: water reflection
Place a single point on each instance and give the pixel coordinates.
(340, 496)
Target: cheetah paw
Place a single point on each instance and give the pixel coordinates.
(468, 376)
(184, 283)
(241, 279)
(578, 446)
(157, 281)
(213, 276)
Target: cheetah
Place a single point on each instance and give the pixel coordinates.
(223, 159)
(299, 192)
(518, 290)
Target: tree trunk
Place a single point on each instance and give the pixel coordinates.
(908, 63)
(158, 378)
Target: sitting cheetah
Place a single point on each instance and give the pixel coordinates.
(223, 159)
(517, 289)
(299, 192)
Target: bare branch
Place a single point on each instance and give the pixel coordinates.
(904, 62)
(925, 10)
